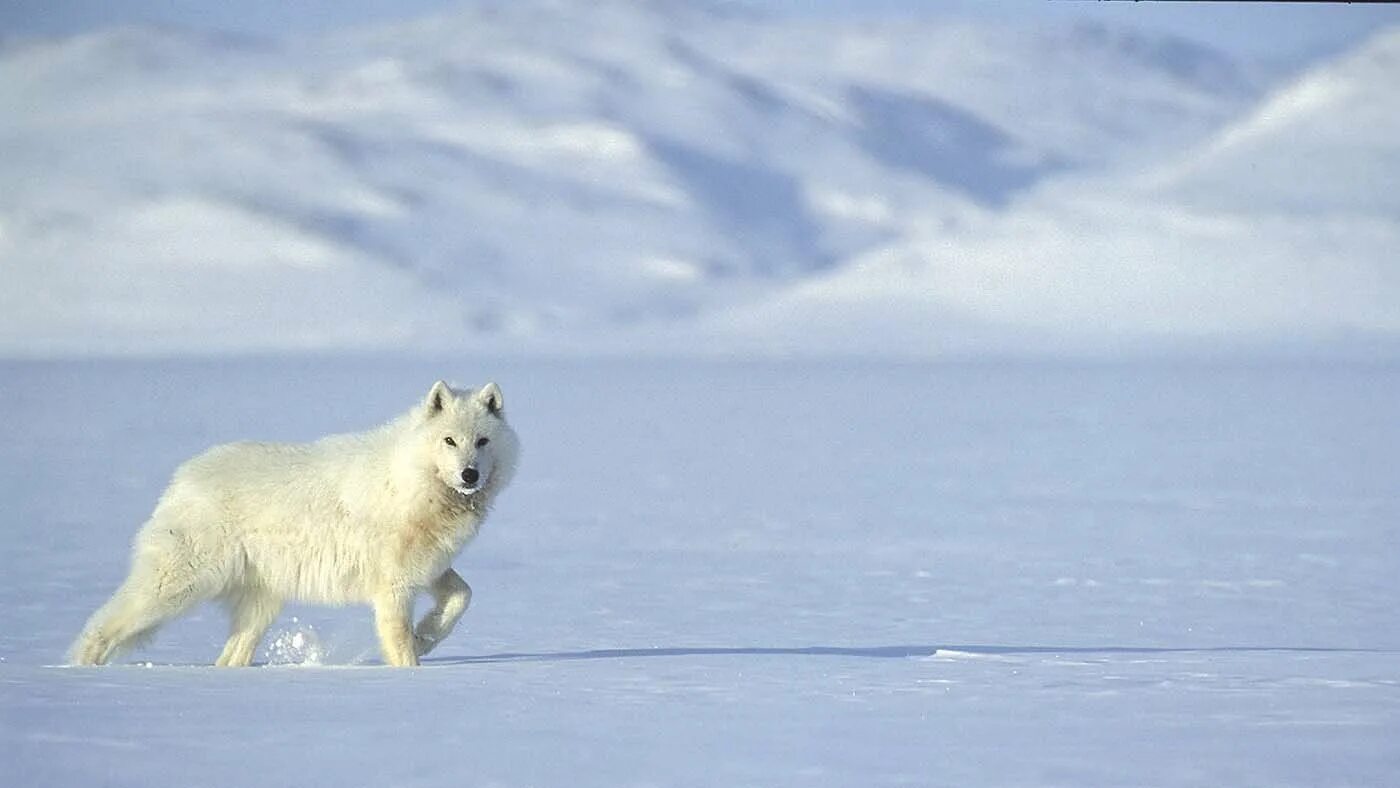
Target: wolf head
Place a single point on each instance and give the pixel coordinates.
(465, 432)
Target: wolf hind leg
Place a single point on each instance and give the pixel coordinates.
(161, 586)
(130, 617)
(251, 612)
(99, 638)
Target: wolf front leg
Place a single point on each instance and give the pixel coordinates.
(393, 616)
(451, 596)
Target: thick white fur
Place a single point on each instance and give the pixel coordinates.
(373, 517)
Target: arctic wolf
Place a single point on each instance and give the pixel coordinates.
(373, 517)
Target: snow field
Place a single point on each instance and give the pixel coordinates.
(757, 574)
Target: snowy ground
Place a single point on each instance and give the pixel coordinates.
(758, 574)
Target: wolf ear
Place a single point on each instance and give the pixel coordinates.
(490, 397)
(438, 397)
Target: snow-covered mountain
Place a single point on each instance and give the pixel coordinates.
(1328, 142)
(663, 175)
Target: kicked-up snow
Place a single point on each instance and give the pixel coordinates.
(1035, 574)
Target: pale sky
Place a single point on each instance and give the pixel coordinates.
(1286, 32)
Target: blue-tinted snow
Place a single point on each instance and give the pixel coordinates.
(758, 574)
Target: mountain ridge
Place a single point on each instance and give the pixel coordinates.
(535, 175)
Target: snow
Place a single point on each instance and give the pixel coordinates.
(756, 573)
(1085, 272)
(556, 177)
(1323, 144)
(1172, 566)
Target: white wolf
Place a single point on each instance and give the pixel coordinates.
(370, 517)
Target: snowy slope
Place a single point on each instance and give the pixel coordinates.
(1327, 143)
(538, 173)
(757, 574)
(1280, 230)
(1096, 271)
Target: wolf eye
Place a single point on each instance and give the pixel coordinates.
(448, 440)
(482, 442)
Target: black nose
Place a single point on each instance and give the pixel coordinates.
(470, 476)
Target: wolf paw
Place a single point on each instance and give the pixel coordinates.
(422, 644)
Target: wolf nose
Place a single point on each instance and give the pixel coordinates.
(470, 476)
